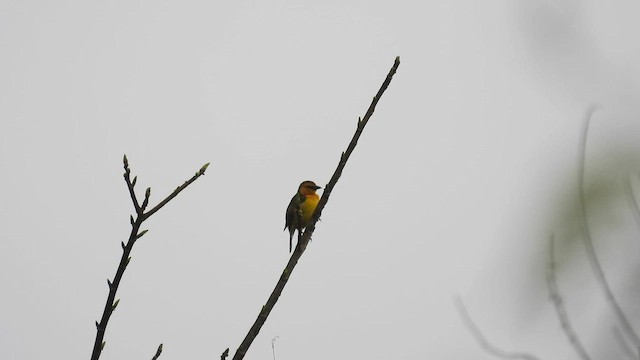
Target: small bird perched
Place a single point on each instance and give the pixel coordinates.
(301, 208)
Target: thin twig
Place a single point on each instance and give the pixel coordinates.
(273, 346)
(627, 329)
(158, 352)
(558, 304)
(302, 244)
(130, 184)
(134, 235)
(224, 354)
(482, 340)
(176, 191)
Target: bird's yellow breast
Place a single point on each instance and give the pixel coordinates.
(308, 206)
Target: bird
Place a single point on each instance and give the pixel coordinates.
(301, 208)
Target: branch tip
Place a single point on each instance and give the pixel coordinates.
(203, 168)
(145, 202)
(125, 161)
(158, 352)
(141, 234)
(115, 305)
(109, 283)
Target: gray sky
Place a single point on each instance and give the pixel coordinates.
(452, 189)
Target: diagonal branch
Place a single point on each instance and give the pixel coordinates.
(158, 352)
(482, 340)
(558, 304)
(623, 344)
(176, 191)
(302, 244)
(627, 329)
(352, 145)
(134, 235)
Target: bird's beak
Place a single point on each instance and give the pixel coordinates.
(318, 187)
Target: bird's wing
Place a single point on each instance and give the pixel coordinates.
(291, 216)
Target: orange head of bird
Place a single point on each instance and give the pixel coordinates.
(308, 188)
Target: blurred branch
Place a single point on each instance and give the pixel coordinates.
(622, 342)
(558, 304)
(302, 244)
(135, 234)
(158, 352)
(627, 329)
(273, 346)
(631, 196)
(482, 340)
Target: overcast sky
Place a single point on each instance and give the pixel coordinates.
(453, 189)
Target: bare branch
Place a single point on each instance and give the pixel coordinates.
(302, 243)
(622, 342)
(176, 191)
(558, 304)
(627, 329)
(113, 288)
(158, 352)
(482, 340)
(352, 145)
(135, 234)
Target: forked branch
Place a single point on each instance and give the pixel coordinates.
(134, 235)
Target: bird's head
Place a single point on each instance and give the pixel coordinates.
(308, 188)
